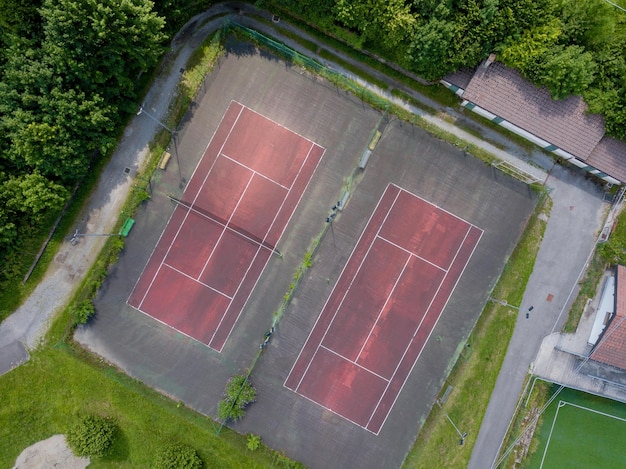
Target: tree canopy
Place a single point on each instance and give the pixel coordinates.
(568, 46)
(68, 75)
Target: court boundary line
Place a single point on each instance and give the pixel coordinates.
(412, 254)
(225, 227)
(393, 403)
(377, 235)
(352, 280)
(280, 235)
(437, 321)
(192, 203)
(380, 199)
(563, 403)
(334, 352)
(380, 312)
(254, 171)
(431, 203)
(194, 279)
(278, 124)
(228, 228)
(174, 211)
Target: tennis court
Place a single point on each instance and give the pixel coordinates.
(581, 431)
(226, 226)
(383, 308)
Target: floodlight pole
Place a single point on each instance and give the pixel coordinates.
(462, 435)
(74, 240)
(142, 110)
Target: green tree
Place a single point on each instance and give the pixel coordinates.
(525, 52)
(33, 195)
(380, 22)
(430, 49)
(101, 45)
(20, 17)
(566, 71)
(590, 24)
(239, 394)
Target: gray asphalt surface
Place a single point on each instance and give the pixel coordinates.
(556, 270)
(577, 216)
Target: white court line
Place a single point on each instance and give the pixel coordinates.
(232, 214)
(279, 125)
(604, 414)
(306, 158)
(196, 280)
(192, 203)
(254, 170)
(227, 227)
(334, 287)
(328, 408)
(437, 321)
(435, 205)
(545, 451)
(393, 289)
(170, 218)
(412, 254)
(563, 404)
(345, 293)
(353, 362)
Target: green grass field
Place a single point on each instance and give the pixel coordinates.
(580, 431)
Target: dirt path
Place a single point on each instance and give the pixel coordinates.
(52, 452)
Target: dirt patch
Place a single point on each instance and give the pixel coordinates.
(49, 453)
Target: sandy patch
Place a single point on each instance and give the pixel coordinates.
(50, 453)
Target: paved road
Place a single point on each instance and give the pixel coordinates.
(572, 229)
(576, 216)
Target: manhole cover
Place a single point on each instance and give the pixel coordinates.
(126, 170)
(549, 298)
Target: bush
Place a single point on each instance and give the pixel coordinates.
(83, 312)
(254, 442)
(91, 436)
(178, 456)
(238, 395)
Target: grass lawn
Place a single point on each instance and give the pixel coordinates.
(46, 395)
(480, 363)
(580, 431)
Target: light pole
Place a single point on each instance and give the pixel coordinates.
(76, 235)
(142, 110)
(173, 132)
(462, 435)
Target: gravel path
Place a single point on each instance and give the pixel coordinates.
(50, 453)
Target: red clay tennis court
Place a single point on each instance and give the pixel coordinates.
(383, 308)
(226, 226)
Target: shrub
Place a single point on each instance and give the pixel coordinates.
(238, 395)
(83, 312)
(91, 436)
(254, 442)
(178, 456)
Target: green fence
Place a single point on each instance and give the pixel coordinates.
(298, 59)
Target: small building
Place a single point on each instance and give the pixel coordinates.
(610, 348)
(564, 127)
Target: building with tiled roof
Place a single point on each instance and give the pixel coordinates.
(611, 346)
(563, 127)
